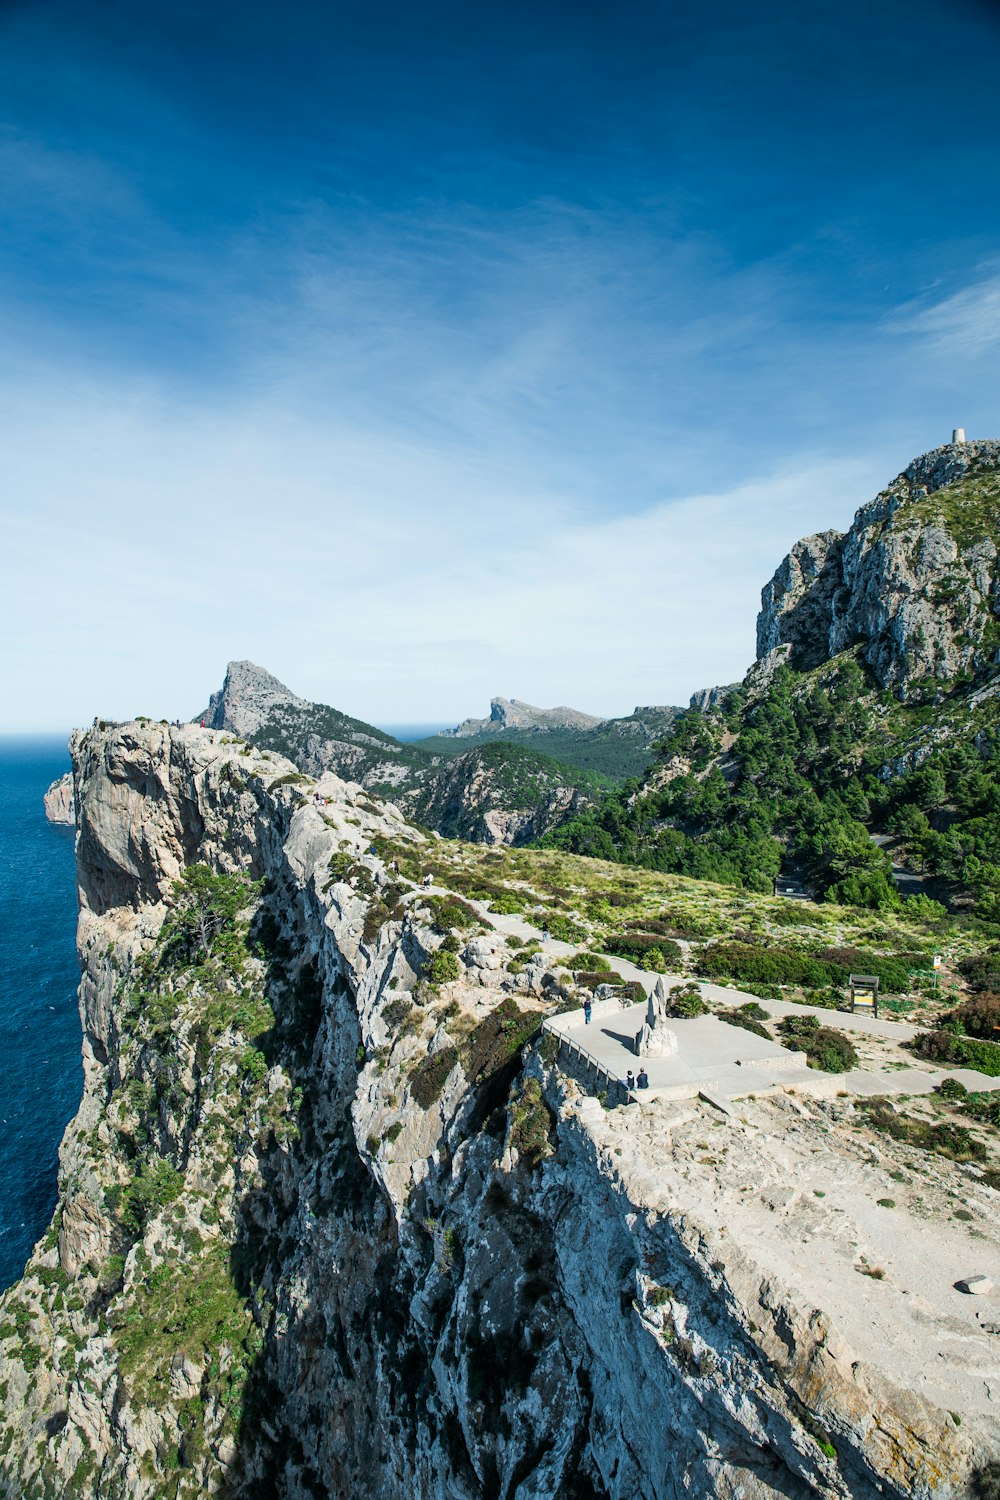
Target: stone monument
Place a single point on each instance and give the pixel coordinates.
(656, 1039)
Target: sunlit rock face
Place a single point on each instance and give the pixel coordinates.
(60, 806)
(914, 582)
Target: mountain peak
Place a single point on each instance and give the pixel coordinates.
(247, 697)
(913, 581)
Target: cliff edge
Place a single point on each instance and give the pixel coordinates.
(333, 1219)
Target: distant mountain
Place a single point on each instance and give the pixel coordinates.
(613, 748)
(867, 733)
(503, 794)
(511, 713)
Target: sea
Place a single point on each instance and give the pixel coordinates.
(42, 1075)
(407, 733)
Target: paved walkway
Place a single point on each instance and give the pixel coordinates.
(712, 1055)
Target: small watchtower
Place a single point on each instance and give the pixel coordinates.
(958, 435)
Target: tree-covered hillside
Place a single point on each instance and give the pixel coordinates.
(617, 749)
(798, 776)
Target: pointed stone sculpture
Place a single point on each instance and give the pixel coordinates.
(656, 1039)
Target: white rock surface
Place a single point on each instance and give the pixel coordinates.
(59, 803)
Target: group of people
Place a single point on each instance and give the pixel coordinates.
(632, 1082)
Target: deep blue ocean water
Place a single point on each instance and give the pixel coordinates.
(42, 1077)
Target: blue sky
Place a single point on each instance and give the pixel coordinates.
(425, 353)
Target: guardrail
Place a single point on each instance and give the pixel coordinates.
(571, 1050)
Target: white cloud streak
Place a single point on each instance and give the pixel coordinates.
(966, 324)
(147, 545)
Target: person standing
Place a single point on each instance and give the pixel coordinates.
(587, 1009)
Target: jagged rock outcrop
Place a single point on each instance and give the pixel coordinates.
(248, 698)
(511, 713)
(60, 806)
(709, 698)
(332, 1223)
(914, 582)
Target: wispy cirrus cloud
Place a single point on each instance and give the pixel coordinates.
(966, 323)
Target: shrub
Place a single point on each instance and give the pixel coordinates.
(684, 1000)
(507, 903)
(157, 1182)
(396, 1013)
(746, 1023)
(589, 961)
(828, 1050)
(944, 1139)
(429, 1077)
(530, 1123)
(293, 778)
(498, 1038)
(957, 1051)
(340, 867)
(443, 968)
(982, 970)
(254, 1064)
(451, 912)
(562, 928)
(978, 1017)
(639, 945)
(375, 916)
(772, 965)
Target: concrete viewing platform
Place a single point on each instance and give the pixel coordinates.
(716, 1059)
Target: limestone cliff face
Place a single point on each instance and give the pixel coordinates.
(331, 1222)
(915, 580)
(60, 806)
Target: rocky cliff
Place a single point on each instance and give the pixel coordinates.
(332, 1221)
(60, 806)
(915, 580)
(511, 713)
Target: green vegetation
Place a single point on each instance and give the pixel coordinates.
(506, 778)
(531, 1122)
(958, 1051)
(647, 950)
(429, 1077)
(442, 968)
(828, 1050)
(804, 782)
(615, 750)
(685, 1001)
(498, 1039)
(818, 967)
(945, 1138)
(749, 1017)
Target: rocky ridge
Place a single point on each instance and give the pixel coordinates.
(332, 1221)
(915, 580)
(511, 713)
